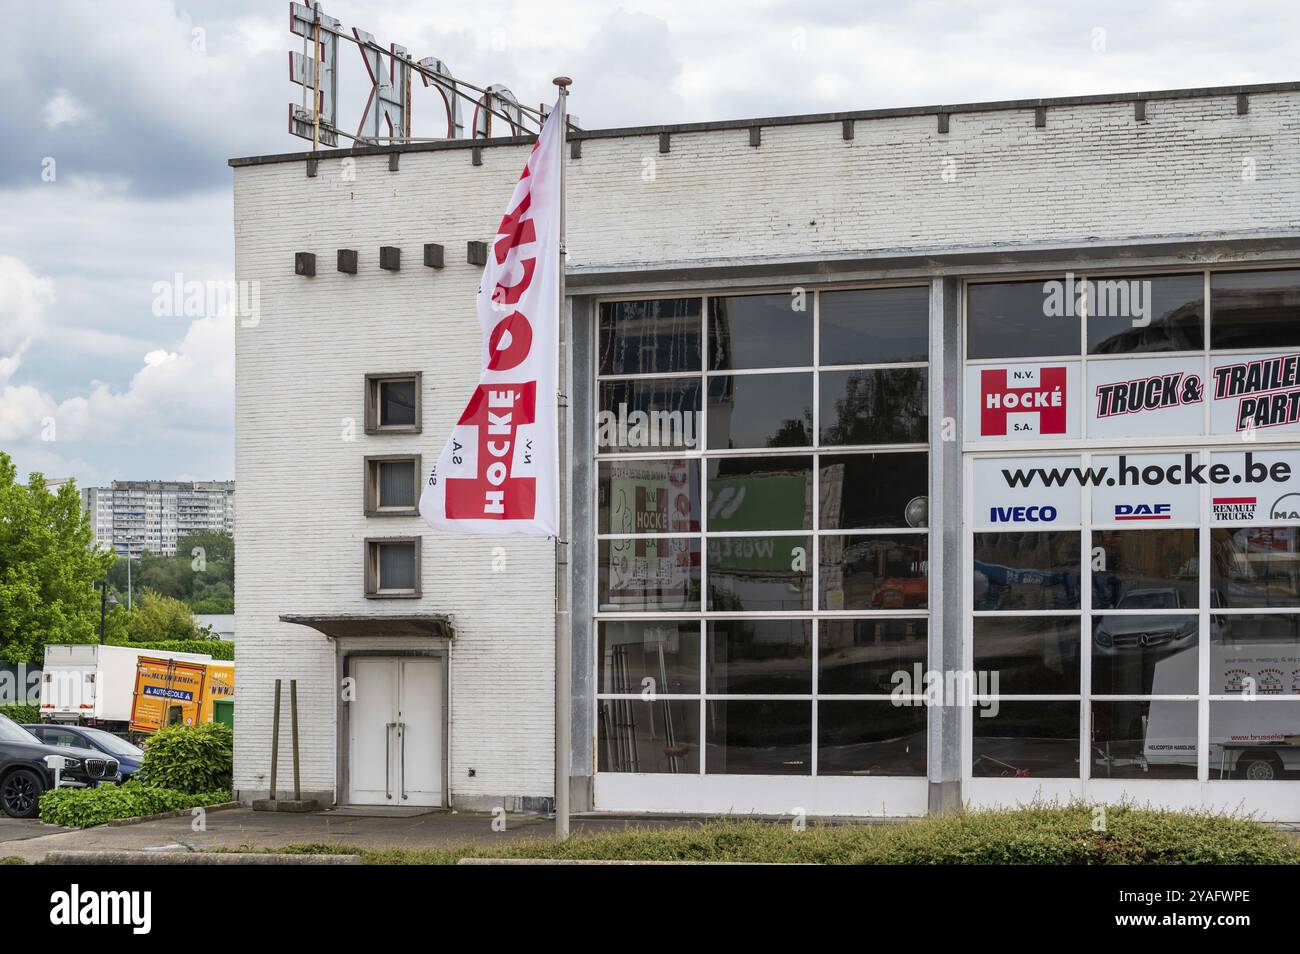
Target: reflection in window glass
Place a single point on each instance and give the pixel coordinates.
(1255, 309)
(397, 403)
(650, 337)
(1256, 566)
(760, 493)
(397, 566)
(1146, 570)
(876, 572)
(759, 737)
(1255, 652)
(1019, 320)
(1144, 739)
(760, 574)
(760, 657)
(649, 414)
(649, 496)
(1143, 655)
(862, 656)
(760, 410)
(1027, 571)
(662, 736)
(881, 406)
(1249, 740)
(760, 331)
(1132, 314)
(870, 738)
(1031, 656)
(665, 651)
(875, 325)
(873, 491)
(1026, 740)
(645, 574)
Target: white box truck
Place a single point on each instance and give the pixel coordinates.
(1250, 739)
(90, 684)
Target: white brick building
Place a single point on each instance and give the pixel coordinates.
(916, 238)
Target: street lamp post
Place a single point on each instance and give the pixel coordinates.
(106, 600)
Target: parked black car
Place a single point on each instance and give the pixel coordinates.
(129, 757)
(25, 770)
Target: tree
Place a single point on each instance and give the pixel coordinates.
(156, 618)
(48, 567)
(201, 573)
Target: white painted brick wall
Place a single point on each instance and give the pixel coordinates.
(1092, 173)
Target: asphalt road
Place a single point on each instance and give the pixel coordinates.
(17, 829)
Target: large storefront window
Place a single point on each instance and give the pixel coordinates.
(1118, 583)
(762, 499)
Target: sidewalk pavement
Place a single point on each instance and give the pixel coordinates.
(245, 828)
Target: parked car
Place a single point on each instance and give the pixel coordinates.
(26, 771)
(129, 757)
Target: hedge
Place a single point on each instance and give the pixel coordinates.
(221, 649)
(1053, 835)
(191, 758)
(22, 713)
(83, 807)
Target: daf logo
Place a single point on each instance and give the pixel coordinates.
(1286, 507)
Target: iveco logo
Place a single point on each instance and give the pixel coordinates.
(1286, 507)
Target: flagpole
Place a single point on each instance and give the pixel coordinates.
(563, 632)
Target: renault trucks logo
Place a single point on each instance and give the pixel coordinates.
(1022, 401)
(1234, 509)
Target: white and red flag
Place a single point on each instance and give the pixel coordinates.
(499, 471)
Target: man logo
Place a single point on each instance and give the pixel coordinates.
(1286, 507)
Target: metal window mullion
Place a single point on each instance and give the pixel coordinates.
(1203, 634)
(1085, 626)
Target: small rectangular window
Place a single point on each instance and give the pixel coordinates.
(1134, 314)
(650, 337)
(760, 331)
(760, 410)
(1021, 319)
(1255, 309)
(392, 485)
(393, 567)
(393, 403)
(875, 325)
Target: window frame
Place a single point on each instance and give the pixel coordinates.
(816, 451)
(374, 383)
(373, 590)
(371, 468)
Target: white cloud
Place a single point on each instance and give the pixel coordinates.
(23, 299)
(62, 109)
(181, 398)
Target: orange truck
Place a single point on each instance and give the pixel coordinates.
(175, 692)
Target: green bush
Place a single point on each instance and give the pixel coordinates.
(21, 713)
(191, 758)
(223, 650)
(83, 807)
(1055, 835)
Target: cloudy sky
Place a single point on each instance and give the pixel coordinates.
(117, 118)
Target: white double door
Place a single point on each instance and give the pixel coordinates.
(395, 729)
